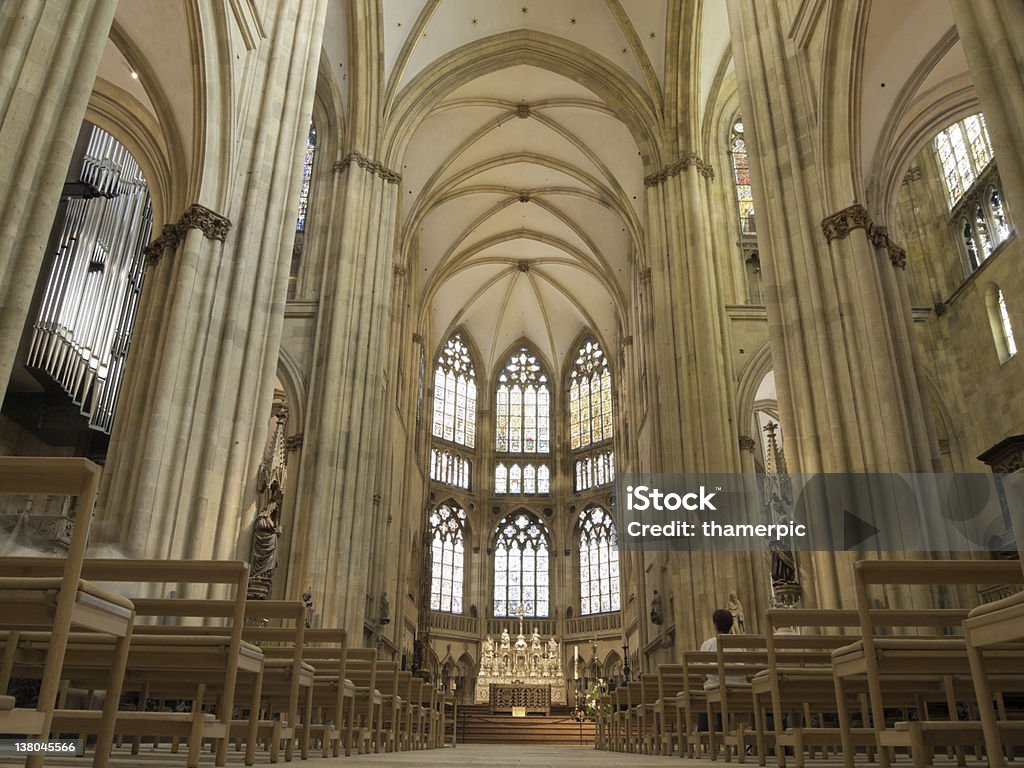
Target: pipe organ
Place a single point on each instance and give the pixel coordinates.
(84, 327)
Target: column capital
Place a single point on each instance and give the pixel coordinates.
(373, 166)
(840, 224)
(213, 225)
(747, 443)
(687, 160)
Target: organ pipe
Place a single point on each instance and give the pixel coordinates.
(83, 332)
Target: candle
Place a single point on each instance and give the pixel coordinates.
(575, 662)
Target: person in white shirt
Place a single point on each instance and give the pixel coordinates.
(722, 620)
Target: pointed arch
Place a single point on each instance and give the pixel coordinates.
(448, 534)
(522, 546)
(455, 393)
(523, 399)
(598, 547)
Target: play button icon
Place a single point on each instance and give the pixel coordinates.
(856, 530)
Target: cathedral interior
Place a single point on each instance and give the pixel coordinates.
(384, 298)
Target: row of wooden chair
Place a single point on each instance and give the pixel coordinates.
(244, 671)
(871, 681)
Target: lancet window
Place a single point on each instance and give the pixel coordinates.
(447, 552)
(455, 394)
(521, 566)
(599, 562)
(978, 213)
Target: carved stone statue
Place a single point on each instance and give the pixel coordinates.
(735, 607)
(266, 530)
(656, 615)
(384, 616)
(307, 600)
(265, 535)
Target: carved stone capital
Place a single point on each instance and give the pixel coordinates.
(747, 444)
(688, 160)
(645, 274)
(417, 338)
(196, 216)
(294, 442)
(400, 271)
(373, 166)
(839, 225)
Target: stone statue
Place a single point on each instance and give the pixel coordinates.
(735, 607)
(265, 535)
(656, 615)
(307, 600)
(384, 617)
(552, 648)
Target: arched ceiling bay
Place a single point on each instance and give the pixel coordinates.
(522, 203)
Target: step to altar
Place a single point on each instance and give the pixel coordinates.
(478, 726)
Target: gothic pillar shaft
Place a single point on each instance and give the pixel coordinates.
(180, 479)
(992, 36)
(838, 313)
(341, 462)
(50, 51)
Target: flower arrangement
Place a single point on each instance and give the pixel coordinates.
(596, 699)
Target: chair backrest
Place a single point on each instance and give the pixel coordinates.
(670, 680)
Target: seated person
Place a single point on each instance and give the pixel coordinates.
(722, 620)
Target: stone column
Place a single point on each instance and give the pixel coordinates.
(50, 51)
(180, 478)
(992, 35)
(347, 389)
(838, 314)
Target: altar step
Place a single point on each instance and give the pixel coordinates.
(478, 726)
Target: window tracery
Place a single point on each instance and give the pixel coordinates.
(447, 550)
(521, 573)
(599, 562)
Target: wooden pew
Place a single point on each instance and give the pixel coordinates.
(194, 666)
(986, 630)
(364, 724)
(875, 658)
(692, 701)
(666, 716)
(57, 602)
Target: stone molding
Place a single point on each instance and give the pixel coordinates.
(1006, 456)
(688, 160)
(840, 224)
(213, 226)
(373, 166)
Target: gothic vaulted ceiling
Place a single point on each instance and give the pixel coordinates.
(523, 196)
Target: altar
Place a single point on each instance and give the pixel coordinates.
(520, 674)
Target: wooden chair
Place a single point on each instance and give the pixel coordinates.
(986, 630)
(666, 715)
(201, 667)
(876, 658)
(57, 602)
(364, 724)
(692, 701)
(331, 695)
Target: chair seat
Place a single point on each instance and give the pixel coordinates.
(6, 703)
(1007, 602)
(915, 644)
(15, 588)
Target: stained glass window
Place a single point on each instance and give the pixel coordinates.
(523, 406)
(590, 397)
(592, 471)
(455, 394)
(995, 205)
(741, 178)
(526, 479)
(521, 549)
(448, 527)
(307, 177)
(964, 150)
(1004, 321)
(450, 468)
(599, 562)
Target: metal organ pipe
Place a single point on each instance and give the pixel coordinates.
(83, 331)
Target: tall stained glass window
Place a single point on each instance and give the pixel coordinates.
(523, 406)
(590, 397)
(455, 394)
(1007, 327)
(447, 551)
(741, 178)
(521, 548)
(964, 151)
(599, 562)
(307, 177)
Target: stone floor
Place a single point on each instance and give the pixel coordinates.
(473, 756)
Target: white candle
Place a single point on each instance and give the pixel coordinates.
(575, 662)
